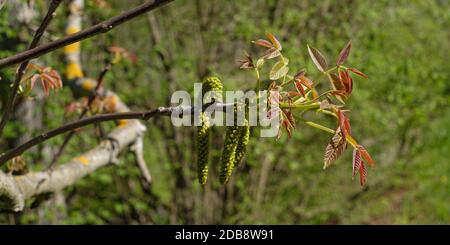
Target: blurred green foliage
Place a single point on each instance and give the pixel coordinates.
(401, 114)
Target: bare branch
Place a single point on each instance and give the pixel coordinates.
(145, 115)
(21, 71)
(138, 149)
(97, 29)
(14, 190)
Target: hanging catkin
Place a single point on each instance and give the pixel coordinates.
(215, 85)
(236, 141)
(241, 148)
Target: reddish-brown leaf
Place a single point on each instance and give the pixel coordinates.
(246, 62)
(341, 119)
(334, 149)
(306, 82)
(362, 174)
(344, 54)
(356, 163)
(336, 82)
(271, 53)
(263, 43)
(347, 126)
(299, 74)
(340, 93)
(299, 87)
(318, 59)
(357, 72)
(294, 93)
(345, 79)
(274, 41)
(365, 154)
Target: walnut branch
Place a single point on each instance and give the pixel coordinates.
(14, 190)
(97, 29)
(145, 115)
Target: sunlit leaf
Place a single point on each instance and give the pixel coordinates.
(356, 162)
(271, 53)
(334, 149)
(279, 70)
(343, 55)
(274, 41)
(318, 59)
(366, 155)
(357, 72)
(259, 63)
(300, 89)
(263, 43)
(362, 174)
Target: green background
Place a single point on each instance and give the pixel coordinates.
(400, 114)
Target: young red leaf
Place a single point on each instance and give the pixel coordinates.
(334, 149)
(274, 41)
(357, 72)
(341, 119)
(306, 82)
(271, 53)
(263, 43)
(366, 155)
(246, 62)
(299, 74)
(346, 81)
(336, 82)
(356, 163)
(339, 88)
(347, 126)
(362, 174)
(299, 87)
(318, 59)
(344, 54)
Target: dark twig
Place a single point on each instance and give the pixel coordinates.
(97, 29)
(23, 66)
(145, 115)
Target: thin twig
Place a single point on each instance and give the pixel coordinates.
(145, 115)
(23, 66)
(97, 29)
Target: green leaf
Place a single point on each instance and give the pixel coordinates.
(318, 59)
(279, 70)
(259, 63)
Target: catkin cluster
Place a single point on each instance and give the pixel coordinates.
(211, 84)
(236, 139)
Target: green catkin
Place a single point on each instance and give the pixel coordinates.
(236, 141)
(210, 84)
(203, 149)
(228, 153)
(241, 148)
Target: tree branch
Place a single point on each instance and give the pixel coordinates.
(21, 71)
(145, 115)
(14, 190)
(83, 113)
(97, 29)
